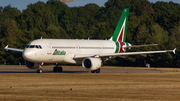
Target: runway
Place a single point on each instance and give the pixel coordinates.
(77, 69)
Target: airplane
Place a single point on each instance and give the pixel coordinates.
(64, 1)
(90, 53)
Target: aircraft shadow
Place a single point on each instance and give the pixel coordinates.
(1, 72)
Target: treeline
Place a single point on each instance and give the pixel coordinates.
(148, 23)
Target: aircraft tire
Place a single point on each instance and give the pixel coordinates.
(55, 69)
(97, 70)
(39, 70)
(60, 69)
(93, 71)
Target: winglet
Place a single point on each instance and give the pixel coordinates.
(174, 50)
(6, 47)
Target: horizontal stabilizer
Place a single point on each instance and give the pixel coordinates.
(141, 45)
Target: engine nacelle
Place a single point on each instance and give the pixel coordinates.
(91, 63)
(32, 65)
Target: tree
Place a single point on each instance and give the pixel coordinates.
(166, 14)
(56, 32)
(174, 43)
(159, 36)
(38, 16)
(142, 35)
(11, 37)
(61, 12)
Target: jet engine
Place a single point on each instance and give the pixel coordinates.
(91, 63)
(32, 65)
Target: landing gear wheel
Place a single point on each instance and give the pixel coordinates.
(93, 71)
(98, 70)
(60, 69)
(55, 69)
(39, 70)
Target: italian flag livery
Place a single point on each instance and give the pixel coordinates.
(119, 35)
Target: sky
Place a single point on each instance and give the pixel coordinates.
(22, 4)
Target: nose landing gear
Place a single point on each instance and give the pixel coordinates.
(39, 70)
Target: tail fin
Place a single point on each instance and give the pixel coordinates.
(119, 34)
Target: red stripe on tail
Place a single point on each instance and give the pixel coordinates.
(120, 39)
(121, 50)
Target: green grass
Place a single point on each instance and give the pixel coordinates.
(105, 87)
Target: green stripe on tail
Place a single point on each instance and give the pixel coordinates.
(119, 34)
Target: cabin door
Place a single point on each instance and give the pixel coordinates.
(49, 48)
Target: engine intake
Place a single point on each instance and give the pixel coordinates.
(32, 65)
(91, 63)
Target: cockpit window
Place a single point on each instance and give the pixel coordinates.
(27, 46)
(37, 46)
(31, 46)
(40, 47)
(34, 46)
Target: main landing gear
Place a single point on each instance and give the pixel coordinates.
(57, 69)
(96, 71)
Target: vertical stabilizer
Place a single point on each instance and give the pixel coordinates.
(119, 34)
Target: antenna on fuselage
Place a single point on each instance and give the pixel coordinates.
(41, 37)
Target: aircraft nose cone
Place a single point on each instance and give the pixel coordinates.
(27, 55)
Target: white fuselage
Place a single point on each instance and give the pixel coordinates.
(63, 51)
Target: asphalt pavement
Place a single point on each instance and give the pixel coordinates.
(74, 69)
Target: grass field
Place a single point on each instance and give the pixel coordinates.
(81, 87)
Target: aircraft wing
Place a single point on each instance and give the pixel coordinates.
(123, 54)
(13, 49)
